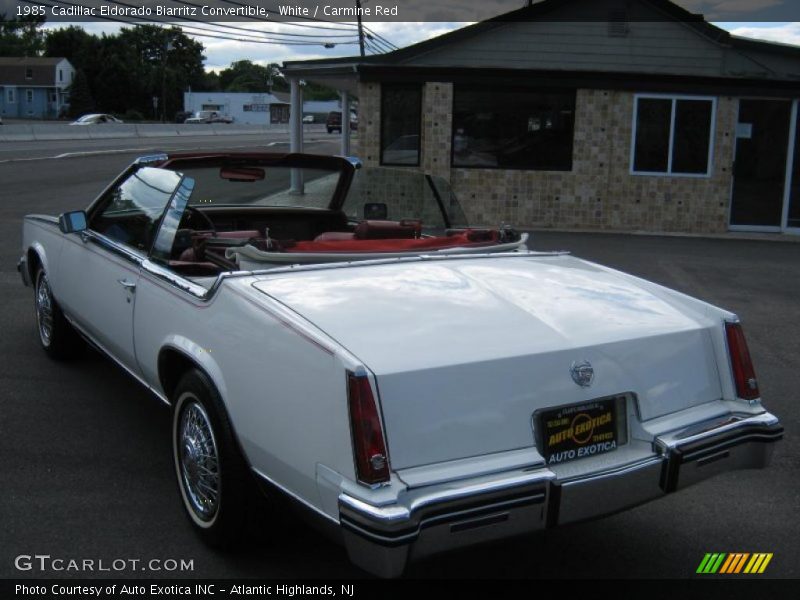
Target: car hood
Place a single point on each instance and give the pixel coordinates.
(425, 314)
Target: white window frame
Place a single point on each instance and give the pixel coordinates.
(674, 98)
(11, 95)
(29, 96)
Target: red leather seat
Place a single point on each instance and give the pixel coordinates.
(329, 236)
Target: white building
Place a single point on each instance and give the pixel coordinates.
(255, 109)
(247, 108)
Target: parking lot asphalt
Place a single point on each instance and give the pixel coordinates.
(85, 468)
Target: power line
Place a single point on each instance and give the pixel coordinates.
(215, 30)
(272, 34)
(195, 30)
(381, 46)
(250, 31)
(378, 36)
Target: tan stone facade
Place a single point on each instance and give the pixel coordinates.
(599, 192)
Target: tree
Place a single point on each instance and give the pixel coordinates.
(80, 96)
(244, 76)
(22, 36)
(125, 71)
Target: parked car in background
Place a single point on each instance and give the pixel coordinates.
(97, 119)
(308, 119)
(415, 384)
(334, 121)
(208, 116)
(182, 115)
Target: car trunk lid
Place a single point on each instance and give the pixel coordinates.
(465, 351)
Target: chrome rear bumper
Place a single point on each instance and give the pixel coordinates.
(428, 520)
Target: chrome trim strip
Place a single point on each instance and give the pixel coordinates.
(623, 470)
(385, 514)
(112, 246)
(183, 284)
(294, 496)
(151, 158)
(670, 441)
(103, 349)
(395, 513)
(722, 446)
(49, 219)
(401, 259)
(544, 476)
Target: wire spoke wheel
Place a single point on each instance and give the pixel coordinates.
(198, 460)
(44, 310)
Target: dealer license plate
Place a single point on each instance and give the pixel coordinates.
(579, 430)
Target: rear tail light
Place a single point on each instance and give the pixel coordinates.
(372, 462)
(744, 376)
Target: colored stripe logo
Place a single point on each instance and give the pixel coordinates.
(734, 563)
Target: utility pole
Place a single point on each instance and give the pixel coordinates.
(360, 28)
(167, 47)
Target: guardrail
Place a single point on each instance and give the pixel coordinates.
(65, 131)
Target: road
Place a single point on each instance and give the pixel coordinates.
(86, 469)
(24, 151)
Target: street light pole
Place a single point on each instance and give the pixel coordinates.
(167, 47)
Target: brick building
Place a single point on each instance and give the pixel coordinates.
(588, 114)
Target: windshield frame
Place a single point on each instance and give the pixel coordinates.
(344, 167)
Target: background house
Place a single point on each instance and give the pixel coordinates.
(34, 87)
(589, 114)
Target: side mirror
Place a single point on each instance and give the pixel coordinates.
(377, 211)
(72, 222)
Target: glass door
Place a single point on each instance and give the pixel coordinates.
(759, 174)
(792, 209)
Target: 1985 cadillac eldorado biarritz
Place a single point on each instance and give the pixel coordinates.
(342, 336)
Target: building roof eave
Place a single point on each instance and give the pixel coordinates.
(605, 80)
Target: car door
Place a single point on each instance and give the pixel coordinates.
(99, 268)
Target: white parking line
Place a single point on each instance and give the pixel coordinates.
(146, 150)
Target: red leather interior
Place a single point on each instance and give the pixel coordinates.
(464, 238)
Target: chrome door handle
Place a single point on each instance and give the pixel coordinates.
(128, 285)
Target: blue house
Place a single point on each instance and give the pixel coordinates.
(34, 87)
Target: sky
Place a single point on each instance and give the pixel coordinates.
(220, 53)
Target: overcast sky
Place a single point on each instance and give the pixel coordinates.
(220, 53)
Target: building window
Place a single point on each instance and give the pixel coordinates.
(217, 107)
(401, 118)
(256, 107)
(29, 96)
(60, 75)
(11, 95)
(52, 96)
(513, 129)
(672, 135)
(28, 73)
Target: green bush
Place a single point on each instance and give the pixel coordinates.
(132, 115)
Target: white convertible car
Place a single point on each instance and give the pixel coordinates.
(339, 335)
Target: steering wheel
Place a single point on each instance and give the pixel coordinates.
(192, 213)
